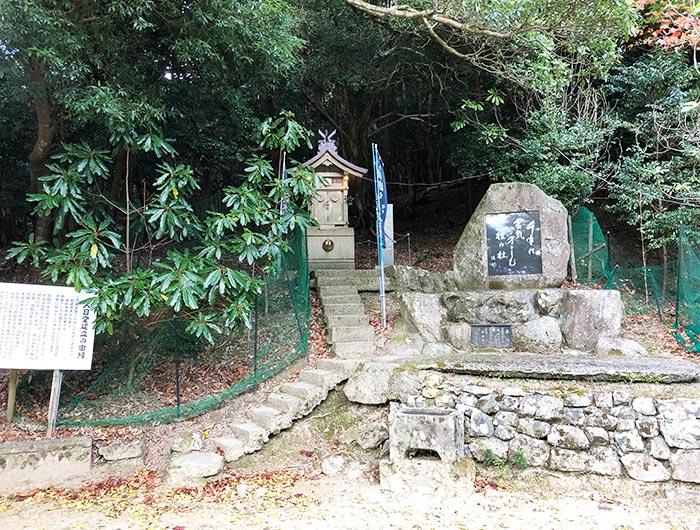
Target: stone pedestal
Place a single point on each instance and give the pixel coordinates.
(440, 431)
(331, 248)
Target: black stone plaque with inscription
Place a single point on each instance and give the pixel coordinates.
(514, 243)
(492, 336)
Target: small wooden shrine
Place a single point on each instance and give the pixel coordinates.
(331, 244)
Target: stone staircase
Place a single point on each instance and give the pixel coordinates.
(351, 338)
(349, 332)
(290, 402)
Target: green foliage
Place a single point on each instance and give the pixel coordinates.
(656, 186)
(113, 249)
(564, 154)
(490, 459)
(537, 45)
(518, 460)
(116, 71)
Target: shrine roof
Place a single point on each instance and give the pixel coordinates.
(328, 155)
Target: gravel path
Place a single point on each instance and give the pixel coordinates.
(336, 503)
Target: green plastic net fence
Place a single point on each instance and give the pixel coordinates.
(668, 288)
(168, 375)
(590, 247)
(688, 293)
(644, 290)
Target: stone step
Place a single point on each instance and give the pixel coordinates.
(344, 309)
(286, 403)
(331, 299)
(252, 436)
(350, 334)
(188, 468)
(322, 378)
(330, 290)
(270, 419)
(311, 395)
(362, 279)
(354, 349)
(346, 276)
(232, 448)
(343, 367)
(346, 320)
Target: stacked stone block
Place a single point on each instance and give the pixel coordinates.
(612, 433)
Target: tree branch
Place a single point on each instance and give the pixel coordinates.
(423, 15)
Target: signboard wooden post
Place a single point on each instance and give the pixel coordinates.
(11, 395)
(44, 327)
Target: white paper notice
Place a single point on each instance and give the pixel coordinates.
(44, 327)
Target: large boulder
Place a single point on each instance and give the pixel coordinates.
(424, 313)
(519, 201)
(490, 307)
(589, 315)
(541, 335)
(370, 384)
(186, 469)
(410, 279)
(620, 347)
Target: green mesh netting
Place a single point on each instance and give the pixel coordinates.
(664, 287)
(138, 381)
(643, 289)
(688, 294)
(590, 248)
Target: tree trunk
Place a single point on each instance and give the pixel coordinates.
(46, 133)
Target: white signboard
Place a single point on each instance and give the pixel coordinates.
(44, 327)
(388, 250)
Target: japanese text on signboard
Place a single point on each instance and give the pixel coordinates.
(514, 243)
(45, 328)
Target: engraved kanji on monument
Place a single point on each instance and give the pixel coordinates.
(514, 243)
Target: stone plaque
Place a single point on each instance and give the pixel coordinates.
(492, 336)
(514, 243)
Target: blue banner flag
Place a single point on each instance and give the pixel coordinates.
(381, 202)
(380, 195)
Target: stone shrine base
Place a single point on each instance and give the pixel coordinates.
(565, 367)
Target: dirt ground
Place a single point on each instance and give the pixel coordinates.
(284, 487)
(334, 503)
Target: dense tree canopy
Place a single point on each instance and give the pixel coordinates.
(128, 120)
(110, 71)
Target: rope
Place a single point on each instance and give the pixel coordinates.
(426, 184)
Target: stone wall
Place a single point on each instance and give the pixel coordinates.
(611, 433)
(43, 463)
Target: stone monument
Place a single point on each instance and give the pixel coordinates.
(331, 244)
(516, 239)
(505, 289)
